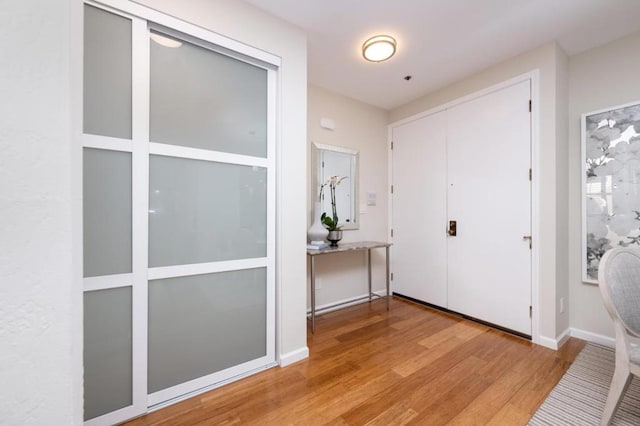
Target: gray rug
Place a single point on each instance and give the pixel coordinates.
(579, 397)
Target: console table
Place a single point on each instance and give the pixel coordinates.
(342, 248)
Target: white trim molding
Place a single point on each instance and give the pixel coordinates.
(556, 343)
(547, 342)
(293, 356)
(563, 337)
(588, 336)
(170, 22)
(593, 337)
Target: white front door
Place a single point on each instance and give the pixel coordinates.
(489, 197)
(469, 164)
(419, 209)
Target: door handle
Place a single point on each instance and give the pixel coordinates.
(527, 237)
(452, 228)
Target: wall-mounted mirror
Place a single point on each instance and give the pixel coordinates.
(328, 161)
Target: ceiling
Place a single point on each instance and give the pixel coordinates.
(440, 41)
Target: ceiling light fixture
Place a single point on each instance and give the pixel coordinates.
(164, 40)
(379, 48)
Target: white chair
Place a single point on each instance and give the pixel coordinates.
(619, 279)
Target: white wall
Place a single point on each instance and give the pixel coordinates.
(551, 263)
(562, 191)
(599, 78)
(361, 127)
(40, 284)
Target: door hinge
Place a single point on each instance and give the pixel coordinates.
(391, 145)
(323, 164)
(530, 174)
(529, 105)
(392, 189)
(391, 232)
(392, 276)
(530, 311)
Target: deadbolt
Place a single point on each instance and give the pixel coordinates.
(452, 228)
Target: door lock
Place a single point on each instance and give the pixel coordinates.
(452, 228)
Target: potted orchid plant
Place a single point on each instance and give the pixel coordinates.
(331, 222)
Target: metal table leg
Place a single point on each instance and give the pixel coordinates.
(313, 294)
(388, 275)
(369, 271)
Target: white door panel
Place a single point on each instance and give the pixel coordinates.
(489, 196)
(419, 213)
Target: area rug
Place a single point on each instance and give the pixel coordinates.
(579, 398)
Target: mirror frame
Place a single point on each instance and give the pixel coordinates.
(316, 173)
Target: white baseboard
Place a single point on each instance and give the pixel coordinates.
(548, 342)
(593, 337)
(293, 356)
(556, 343)
(564, 336)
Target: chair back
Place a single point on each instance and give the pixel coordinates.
(619, 279)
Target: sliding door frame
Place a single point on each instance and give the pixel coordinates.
(192, 387)
(143, 21)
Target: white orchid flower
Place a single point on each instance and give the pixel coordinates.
(331, 222)
(335, 180)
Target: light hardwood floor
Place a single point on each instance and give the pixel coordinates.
(411, 365)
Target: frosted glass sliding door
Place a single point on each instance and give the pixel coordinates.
(111, 392)
(107, 252)
(178, 210)
(107, 73)
(107, 212)
(204, 99)
(202, 324)
(202, 211)
(107, 351)
(211, 194)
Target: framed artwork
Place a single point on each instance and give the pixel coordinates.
(610, 183)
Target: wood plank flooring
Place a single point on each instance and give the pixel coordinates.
(410, 365)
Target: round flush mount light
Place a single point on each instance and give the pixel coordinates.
(379, 48)
(164, 40)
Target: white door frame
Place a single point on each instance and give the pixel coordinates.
(534, 77)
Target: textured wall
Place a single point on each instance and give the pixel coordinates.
(40, 334)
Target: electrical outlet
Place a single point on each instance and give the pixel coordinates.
(562, 305)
